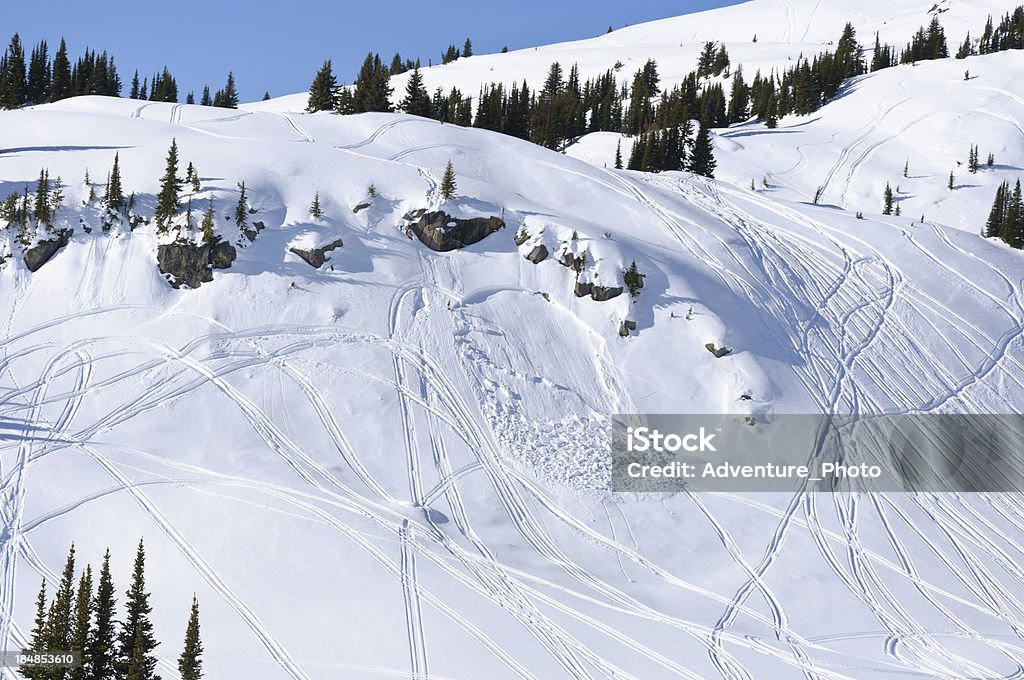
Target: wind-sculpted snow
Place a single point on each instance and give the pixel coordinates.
(395, 466)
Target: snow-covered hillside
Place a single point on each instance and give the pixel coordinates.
(396, 464)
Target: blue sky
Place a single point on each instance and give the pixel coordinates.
(278, 46)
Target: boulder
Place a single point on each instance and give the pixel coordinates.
(360, 207)
(315, 257)
(251, 234)
(538, 254)
(521, 237)
(625, 326)
(603, 294)
(583, 288)
(718, 352)
(222, 254)
(441, 232)
(188, 264)
(40, 254)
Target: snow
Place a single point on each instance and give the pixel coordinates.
(393, 466)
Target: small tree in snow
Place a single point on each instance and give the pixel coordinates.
(315, 211)
(634, 280)
(448, 184)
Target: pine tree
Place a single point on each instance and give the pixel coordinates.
(952, 181)
(887, 200)
(634, 280)
(448, 184)
(37, 87)
(229, 95)
(372, 91)
(82, 623)
(13, 94)
(190, 98)
(115, 193)
(906, 169)
(242, 209)
(60, 80)
(467, 48)
(136, 644)
(618, 155)
(417, 100)
(40, 638)
(702, 158)
(972, 159)
(167, 199)
(1012, 228)
(206, 100)
(42, 200)
(323, 92)
(315, 211)
(207, 225)
(266, 95)
(60, 619)
(190, 663)
(134, 92)
(991, 160)
(993, 226)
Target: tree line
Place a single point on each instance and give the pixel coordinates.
(82, 617)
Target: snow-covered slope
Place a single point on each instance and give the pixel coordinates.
(395, 466)
(785, 29)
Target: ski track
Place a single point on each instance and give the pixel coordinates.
(827, 296)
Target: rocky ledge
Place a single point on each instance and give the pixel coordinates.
(441, 232)
(191, 265)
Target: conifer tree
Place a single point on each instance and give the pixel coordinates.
(315, 211)
(702, 159)
(40, 638)
(136, 643)
(417, 100)
(167, 199)
(467, 48)
(42, 200)
(887, 200)
(229, 95)
(134, 92)
(323, 92)
(991, 160)
(206, 100)
(60, 619)
(618, 155)
(242, 209)
(190, 98)
(190, 663)
(37, 87)
(207, 225)
(115, 192)
(372, 91)
(266, 95)
(951, 182)
(993, 227)
(448, 184)
(1012, 228)
(906, 169)
(60, 80)
(82, 623)
(972, 159)
(13, 93)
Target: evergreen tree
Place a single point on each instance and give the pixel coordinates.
(60, 80)
(266, 95)
(42, 200)
(82, 623)
(190, 98)
(190, 663)
(448, 184)
(167, 202)
(467, 48)
(906, 168)
(372, 89)
(315, 211)
(634, 280)
(136, 644)
(38, 84)
(60, 620)
(1012, 228)
(115, 192)
(702, 159)
(242, 209)
(206, 100)
(229, 95)
(993, 227)
(40, 638)
(207, 225)
(324, 90)
(13, 93)
(417, 99)
(887, 200)
(952, 180)
(972, 159)
(618, 155)
(991, 160)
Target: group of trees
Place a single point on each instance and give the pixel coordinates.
(39, 79)
(1006, 219)
(82, 617)
(1007, 35)
(169, 207)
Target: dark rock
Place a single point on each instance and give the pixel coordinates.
(441, 232)
(538, 254)
(222, 254)
(315, 257)
(186, 263)
(40, 254)
(359, 208)
(719, 353)
(251, 234)
(414, 215)
(625, 327)
(746, 397)
(583, 289)
(567, 259)
(521, 237)
(603, 294)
